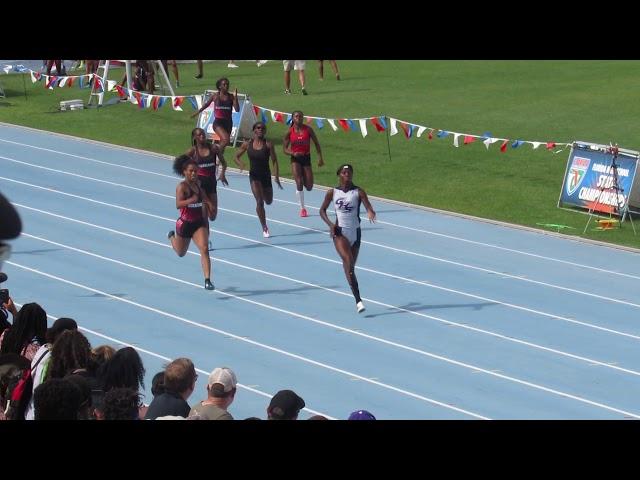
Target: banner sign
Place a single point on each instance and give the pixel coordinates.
(597, 179)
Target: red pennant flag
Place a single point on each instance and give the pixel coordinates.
(405, 128)
(279, 117)
(52, 79)
(503, 147)
(138, 98)
(178, 101)
(551, 145)
(154, 102)
(376, 123)
(120, 91)
(468, 139)
(343, 123)
(256, 110)
(430, 135)
(70, 81)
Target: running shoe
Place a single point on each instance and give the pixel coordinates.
(303, 212)
(199, 75)
(265, 232)
(304, 91)
(360, 307)
(208, 285)
(171, 234)
(232, 65)
(287, 91)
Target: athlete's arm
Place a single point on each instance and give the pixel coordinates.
(239, 153)
(274, 161)
(312, 134)
(371, 213)
(323, 212)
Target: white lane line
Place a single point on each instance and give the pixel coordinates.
(397, 277)
(503, 274)
(414, 229)
(151, 353)
(253, 342)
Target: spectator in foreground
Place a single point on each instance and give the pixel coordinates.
(179, 383)
(221, 391)
(285, 405)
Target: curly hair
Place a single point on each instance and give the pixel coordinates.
(121, 404)
(30, 324)
(70, 352)
(125, 369)
(181, 162)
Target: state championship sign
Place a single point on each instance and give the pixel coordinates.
(599, 178)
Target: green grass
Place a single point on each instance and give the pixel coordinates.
(558, 100)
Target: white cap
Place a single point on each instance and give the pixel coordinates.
(225, 377)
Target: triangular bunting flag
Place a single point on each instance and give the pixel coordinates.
(503, 147)
(363, 126)
(377, 124)
(551, 145)
(343, 123)
(420, 131)
(394, 129)
(469, 139)
(332, 123)
(455, 139)
(319, 123)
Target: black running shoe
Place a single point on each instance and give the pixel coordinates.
(171, 234)
(208, 285)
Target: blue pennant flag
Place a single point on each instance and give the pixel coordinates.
(289, 119)
(442, 133)
(319, 123)
(352, 125)
(264, 117)
(516, 144)
(382, 121)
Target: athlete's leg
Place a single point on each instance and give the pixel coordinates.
(224, 137)
(213, 198)
(179, 244)
(348, 264)
(308, 177)
(256, 188)
(201, 239)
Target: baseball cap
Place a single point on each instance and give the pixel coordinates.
(3, 277)
(225, 377)
(361, 415)
(285, 405)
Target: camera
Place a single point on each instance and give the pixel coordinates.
(4, 295)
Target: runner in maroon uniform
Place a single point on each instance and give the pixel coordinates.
(223, 103)
(205, 154)
(259, 150)
(297, 143)
(193, 206)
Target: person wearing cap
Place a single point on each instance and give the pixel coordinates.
(285, 405)
(361, 415)
(221, 390)
(259, 150)
(345, 232)
(297, 143)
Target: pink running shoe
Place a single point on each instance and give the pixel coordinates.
(303, 213)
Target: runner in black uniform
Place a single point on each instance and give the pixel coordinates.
(259, 150)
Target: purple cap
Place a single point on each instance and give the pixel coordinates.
(361, 415)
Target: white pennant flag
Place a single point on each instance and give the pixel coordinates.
(332, 123)
(535, 144)
(363, 126)
(147, 100)
(63, 82)
(7, 68)
(33, 77)
(177, 108)
(455, 139)
(198, 101)
(111, 85)
(421, 131)
(394, 128)
(273, 115)
(487, 142)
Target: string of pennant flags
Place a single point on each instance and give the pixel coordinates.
(380, 123)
